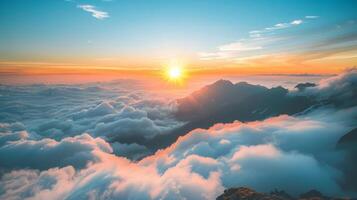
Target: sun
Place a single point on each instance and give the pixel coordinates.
(174, 73)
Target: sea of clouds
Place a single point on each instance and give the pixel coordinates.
(120, 112)
(88, 142)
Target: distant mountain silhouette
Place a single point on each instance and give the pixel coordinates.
(349, 139)
(348, 143)
(303, 86)
(225, 102)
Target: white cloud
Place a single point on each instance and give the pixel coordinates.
(215, 55)
(112, 111)
(278, 26)
(46, 153)
(311, 17)
(297, 22)
(258, 39)
(230, 50)
(341, 88)
(238, 46)
(199, 165)
(95, 13)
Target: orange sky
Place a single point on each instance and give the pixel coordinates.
(270, 64)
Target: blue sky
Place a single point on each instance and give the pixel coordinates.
(62, 31)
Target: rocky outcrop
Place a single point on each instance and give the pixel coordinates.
(243, 193)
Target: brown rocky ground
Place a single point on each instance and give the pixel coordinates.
(243, 193)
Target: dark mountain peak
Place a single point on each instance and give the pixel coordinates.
(226, 84)
(279, 90)
(348, 143)
(222, 83)
(214, 89)
(241, 101)
(348, 138)
(303, 86)
(216, 95)
(225, 102)
(246, 85)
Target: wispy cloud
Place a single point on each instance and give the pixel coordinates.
(238, 46)
(257, 40)
(230, 50)
(296, 22)
(311, 17)
(95, 13)
(215, 55)
(281, 26)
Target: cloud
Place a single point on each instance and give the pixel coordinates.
(281, 169)
(214, 55)
(133, 150)
(297, 22)
(137, 123)
(257, 40)
(238, 46)
(293, 153)
(95, 13)
(311, 17)
(338, 90)
(12, 136)
(245, 147)
(278, 26)
(54, 183)
(201, 164)
(47, 153)
(109, 110)
(232, 50)
(115, 179)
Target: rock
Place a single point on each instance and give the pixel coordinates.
(240, 193)
(312, 194)
(244, 193)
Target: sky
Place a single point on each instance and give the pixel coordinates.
(139, 38)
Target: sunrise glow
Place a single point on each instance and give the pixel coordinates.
(184, 100)
(174, 72)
